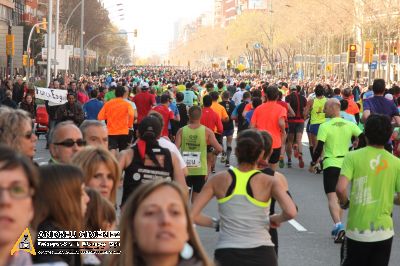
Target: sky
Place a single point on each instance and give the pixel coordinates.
(154, 20)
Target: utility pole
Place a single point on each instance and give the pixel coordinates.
(10, 49)
(56, 31)
(49, 33)
(82, 57)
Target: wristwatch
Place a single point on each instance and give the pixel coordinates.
(215, 224)
(346, 205)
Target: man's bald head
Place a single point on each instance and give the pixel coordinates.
(332, 108)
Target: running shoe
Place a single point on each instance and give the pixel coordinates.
(289, 163)
(223, 157)
(213, 170)
(301, 162)
(338, 233)
(227, 164)
(281, 162)
(296, 150)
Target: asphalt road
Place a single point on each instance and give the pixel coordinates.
(307, 242)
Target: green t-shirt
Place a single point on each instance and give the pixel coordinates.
(109, 95)
(194, 150)
(375, 177)
(336, 134)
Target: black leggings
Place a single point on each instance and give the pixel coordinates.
(259, 256)
(355, 253)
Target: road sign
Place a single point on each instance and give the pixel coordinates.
(373, 65)
(383, 63)
(42, 62)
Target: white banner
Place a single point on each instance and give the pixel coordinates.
(54, 96)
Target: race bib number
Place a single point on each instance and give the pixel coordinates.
(192, 159)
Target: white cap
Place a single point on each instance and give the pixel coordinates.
(113, 84)
(144, 84)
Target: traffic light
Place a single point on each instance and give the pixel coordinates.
(352, 54)
(135, 33)
(25, 60)
(44, 23)
(228, 64)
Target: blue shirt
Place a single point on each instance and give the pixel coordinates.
(189, 97)
(381, 105)
(175, 110)
(92, 109)
(348, 117)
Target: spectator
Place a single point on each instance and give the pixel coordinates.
(100, 170)
(8, 101)
(95, 133)
(16, 131)
(135, 224)
(70, 111)
(19, 188)
(65, 140)
(61, 206)
(18, 91)
(28, 105)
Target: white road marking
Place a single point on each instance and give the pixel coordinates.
(298, 226)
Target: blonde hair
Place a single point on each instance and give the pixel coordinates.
(89, 159)
(130, 255)
(11, 122)
(99, 211)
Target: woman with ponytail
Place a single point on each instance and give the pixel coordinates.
(244, 196)
(147, 161)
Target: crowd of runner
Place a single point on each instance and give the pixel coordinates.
(156, 134)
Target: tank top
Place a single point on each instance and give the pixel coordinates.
(244, 219)
(138, 173)
(317, 112)
(194, 150)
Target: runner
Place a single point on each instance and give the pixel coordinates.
(192, 141)
(241, 193)
(374, 175)
(166, 113)
(147, 161)
(315, 108)
(229, 128)
(237, 114)
(296, 125)
(270, 116)
(334, 137)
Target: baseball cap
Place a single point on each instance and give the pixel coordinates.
(144, 85)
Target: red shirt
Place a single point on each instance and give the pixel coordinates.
(144, 101)
(167, 115)
(210, 119)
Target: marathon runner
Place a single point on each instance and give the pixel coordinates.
(334, 137)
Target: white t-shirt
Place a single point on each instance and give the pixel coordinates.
(164, 143)
(237, 97)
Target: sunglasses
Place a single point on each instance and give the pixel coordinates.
(70, 143)
(28, 135)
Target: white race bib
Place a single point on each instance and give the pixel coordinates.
(192, 159)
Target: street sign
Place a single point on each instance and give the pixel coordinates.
(383, 63)
(374, 65)
(42, 62)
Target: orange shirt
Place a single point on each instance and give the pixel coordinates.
(266, 117)
(220, 110)
(119, 115)
(353, 107)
